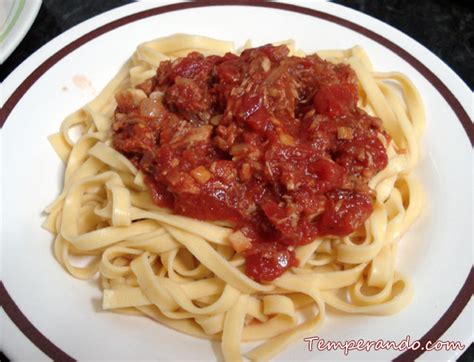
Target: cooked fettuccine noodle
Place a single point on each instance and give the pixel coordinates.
(184, 272)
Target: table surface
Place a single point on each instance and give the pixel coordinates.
(444, 27)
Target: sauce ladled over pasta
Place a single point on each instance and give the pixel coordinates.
(272, 143)
(284, 149)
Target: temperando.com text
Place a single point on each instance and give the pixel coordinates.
(320, 344)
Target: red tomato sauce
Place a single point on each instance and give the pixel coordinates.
(274, 144)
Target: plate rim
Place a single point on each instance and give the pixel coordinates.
(464, 294)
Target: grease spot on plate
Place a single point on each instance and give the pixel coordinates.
(82, 82)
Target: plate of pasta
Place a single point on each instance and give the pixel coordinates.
(183, 189)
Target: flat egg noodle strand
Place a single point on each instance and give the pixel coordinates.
(183, 272)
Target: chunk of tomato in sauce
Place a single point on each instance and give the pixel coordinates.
(336, 99)
(329, 174)
(293, 227)
(268, 261)
(345, 212)
(362, 155)
(259, 121)
(193, 66)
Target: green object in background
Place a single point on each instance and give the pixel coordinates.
(9, 26)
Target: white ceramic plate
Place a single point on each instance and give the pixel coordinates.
(16, 18)
(62, 316)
